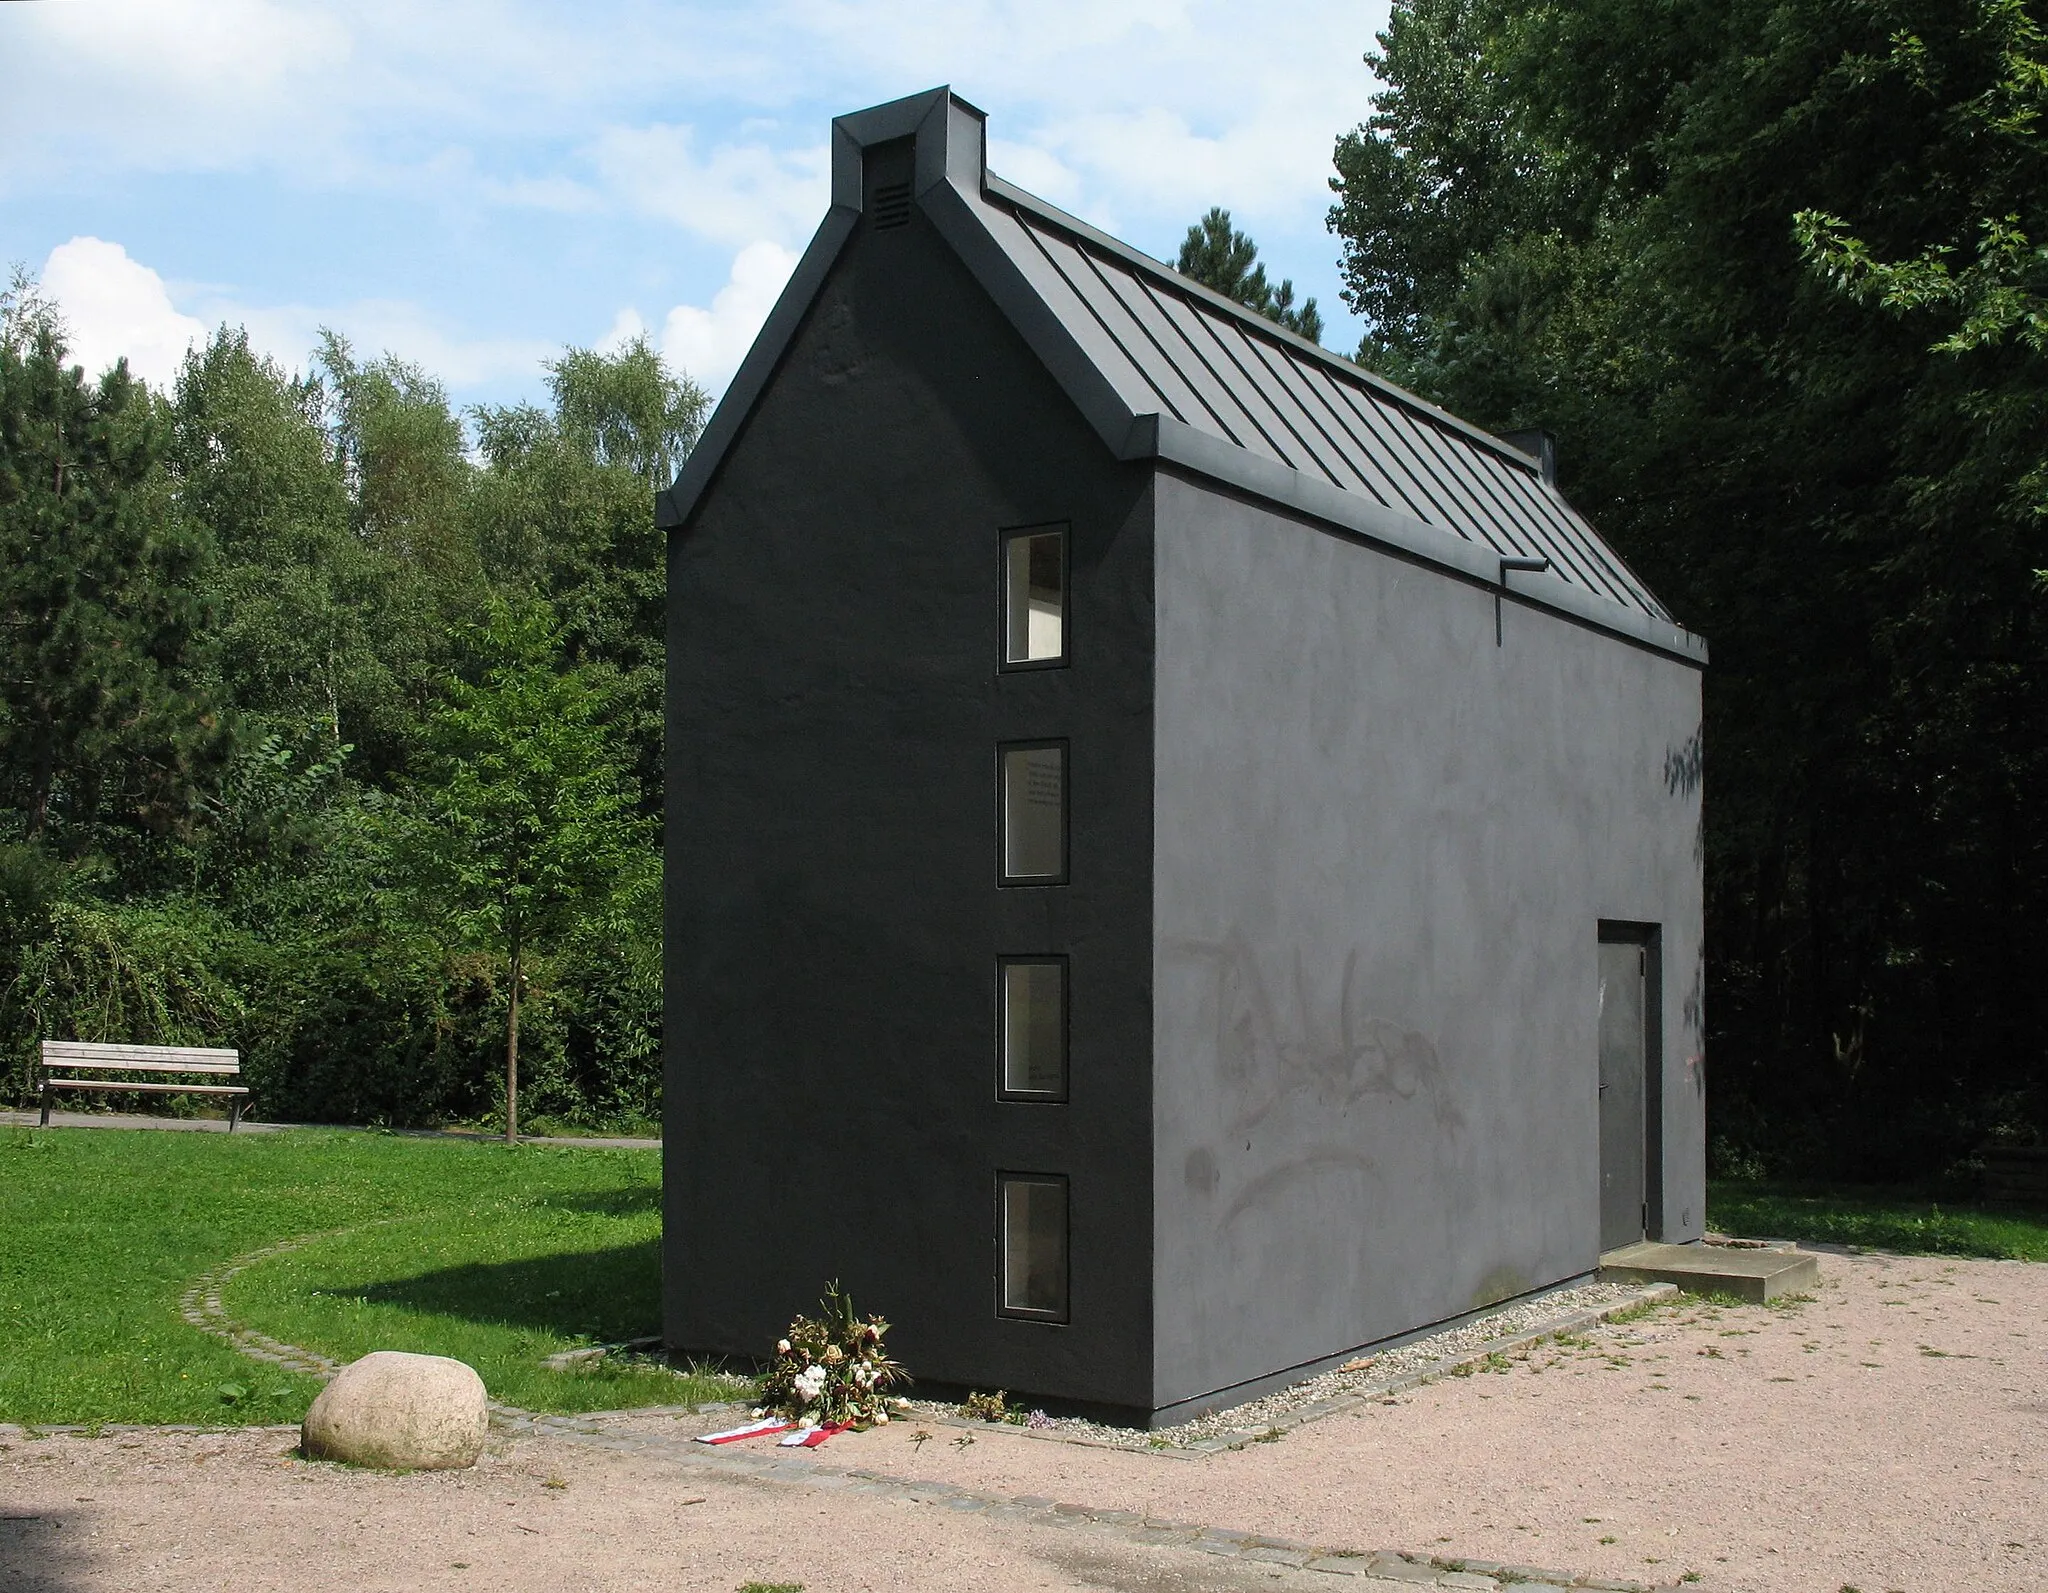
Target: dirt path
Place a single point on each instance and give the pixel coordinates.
(165, 1512)
(1893, 1434)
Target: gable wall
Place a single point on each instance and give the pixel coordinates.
(833, 914)
(1383, 845)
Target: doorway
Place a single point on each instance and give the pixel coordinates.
(1630, 1105)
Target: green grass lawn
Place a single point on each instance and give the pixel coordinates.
(498, 1257)
(1876, 1219)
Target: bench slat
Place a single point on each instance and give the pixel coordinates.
(153, 1067)
(110, 1055)
(156, 1089)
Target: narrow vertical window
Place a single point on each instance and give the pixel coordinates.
(1034, 1035)
(1034, 813)
(1033, 1216)
(1035, 597)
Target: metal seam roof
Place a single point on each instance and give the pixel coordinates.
(1164, 369)
(1169, 345)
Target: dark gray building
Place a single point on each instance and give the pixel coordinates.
(1183, 858)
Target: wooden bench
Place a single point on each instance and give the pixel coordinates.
(184, 1061)
(2017, 1174)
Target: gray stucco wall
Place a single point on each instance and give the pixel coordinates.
(1382, 849)
(834, 917)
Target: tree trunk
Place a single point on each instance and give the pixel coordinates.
(43, 775)
(512, 1056)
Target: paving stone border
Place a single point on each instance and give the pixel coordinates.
(589, 1354)
(201, 1307)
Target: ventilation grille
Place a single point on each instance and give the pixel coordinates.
(892, 205)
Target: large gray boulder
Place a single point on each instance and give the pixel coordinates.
(404, 1412)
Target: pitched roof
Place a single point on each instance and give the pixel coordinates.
(1166, 369)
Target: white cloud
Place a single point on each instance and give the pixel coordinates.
(343, 141)
(114, 306)
(374, 328)
(174, 84)
(708, 344)
(561, 194)
(399, 327)
(1033, 167)
(354, 92)
(1148, 104)
(734, 193)
(248, 49)
(626, 326)
(1143, 98)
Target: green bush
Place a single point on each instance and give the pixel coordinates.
(153, 975)
(369, 1024)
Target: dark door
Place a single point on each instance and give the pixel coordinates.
(1624, 1048)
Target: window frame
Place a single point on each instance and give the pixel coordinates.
(1004, 963)
(1004, 1178)
(1004, 537)
(1005, 880)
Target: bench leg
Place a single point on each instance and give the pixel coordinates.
(234, 1113)
(46, 1106)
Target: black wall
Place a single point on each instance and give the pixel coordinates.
(834, 708)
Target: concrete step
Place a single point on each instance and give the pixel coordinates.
(1756, 1273)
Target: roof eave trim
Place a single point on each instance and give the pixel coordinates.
(674, 507)
(1175, 443)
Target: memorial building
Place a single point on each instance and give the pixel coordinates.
(1183, 859)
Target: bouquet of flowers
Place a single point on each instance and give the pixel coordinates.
(831, 1370)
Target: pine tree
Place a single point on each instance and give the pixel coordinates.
(101, 716)
(1218, 256)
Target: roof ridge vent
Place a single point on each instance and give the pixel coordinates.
(891, 207)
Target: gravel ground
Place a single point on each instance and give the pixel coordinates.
(176, 1512)
(1361, 1376)
(1891, 1434)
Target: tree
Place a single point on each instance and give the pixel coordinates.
(1582, 214)
(1446, 167)
(102, 716)
(2004, 292)
(299, 598)
(2000, 295)
(305, 559)
(561, 512)
(627, 409)
(26, 312)
(526, 821)
(1218, 256)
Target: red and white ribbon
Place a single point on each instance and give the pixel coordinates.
(761, 1429)
(811, 1437)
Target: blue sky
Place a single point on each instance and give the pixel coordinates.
(475, 185)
